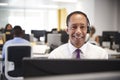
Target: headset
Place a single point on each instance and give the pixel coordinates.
(88, 27)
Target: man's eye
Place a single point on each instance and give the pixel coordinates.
(82, 27)
(74, 27)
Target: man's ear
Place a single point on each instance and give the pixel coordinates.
(67, 30)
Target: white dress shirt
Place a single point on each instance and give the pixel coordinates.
(13, 41)
(88, 51)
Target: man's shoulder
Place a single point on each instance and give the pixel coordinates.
(8, 42)
(26, 40)
(94, 46)
(63, 46)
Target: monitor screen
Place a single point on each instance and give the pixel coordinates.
(109, 35)
(34, 67)
(117, 38)
(117, 41)
(38, 33)
(26, 36)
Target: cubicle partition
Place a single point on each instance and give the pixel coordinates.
(36, 67)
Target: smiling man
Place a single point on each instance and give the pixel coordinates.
(77, 47)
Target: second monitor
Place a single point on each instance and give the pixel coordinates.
(38, 33)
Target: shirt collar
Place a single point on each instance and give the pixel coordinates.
(72, 48)
(17, 37)
(84, 48)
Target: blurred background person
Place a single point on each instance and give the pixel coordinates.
(17, 39)
(8, 27)
(18, 34)
(8, 32)
(92, 37)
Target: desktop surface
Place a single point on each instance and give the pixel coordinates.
(87, 76)
(34, 67)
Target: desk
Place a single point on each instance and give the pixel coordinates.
(40, 55)
(40, 51)
(113, 54)
(86, 76)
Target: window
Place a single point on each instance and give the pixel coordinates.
(37, 19)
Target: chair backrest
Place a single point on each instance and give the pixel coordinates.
(14, 55)
(53, 40)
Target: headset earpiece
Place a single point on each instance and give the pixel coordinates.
(88, 29)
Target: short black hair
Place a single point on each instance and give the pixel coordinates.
(17, 30)
(76, 12)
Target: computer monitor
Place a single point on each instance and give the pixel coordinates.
(26, 36)
(109, 36)
(117, 40)
(34, 67)
(38, 33)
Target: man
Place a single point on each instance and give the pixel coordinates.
(77, 27)
(18, 34)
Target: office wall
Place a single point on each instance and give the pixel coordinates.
(103, 14)
(118, 15)
(87, 6)
(106, 14)
(3, 17)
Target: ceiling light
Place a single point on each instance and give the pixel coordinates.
(69, 1)
(3, 4)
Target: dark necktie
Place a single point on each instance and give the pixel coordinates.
(78, 53)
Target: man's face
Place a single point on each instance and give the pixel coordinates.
(77, 29)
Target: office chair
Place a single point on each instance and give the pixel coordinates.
(13, 60)
(54, 40)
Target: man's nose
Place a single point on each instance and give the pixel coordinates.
(78, 30)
